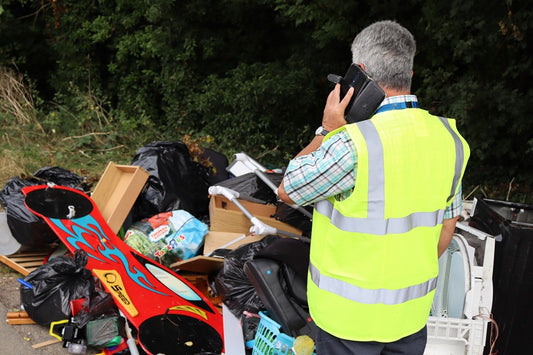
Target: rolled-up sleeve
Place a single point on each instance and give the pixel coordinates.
(328, 171)
(455, 208)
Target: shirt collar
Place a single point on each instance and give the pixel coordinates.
(398, 98)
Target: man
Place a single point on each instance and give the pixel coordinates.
(387, 196)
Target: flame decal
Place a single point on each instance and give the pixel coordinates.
(86, 234)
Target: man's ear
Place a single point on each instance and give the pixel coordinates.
(362, 66)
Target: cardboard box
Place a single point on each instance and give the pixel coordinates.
(199, 264)
(206, 264)
(116, 192)
(225, 216)
(226, 240)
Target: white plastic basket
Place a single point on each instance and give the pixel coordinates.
(452, 336)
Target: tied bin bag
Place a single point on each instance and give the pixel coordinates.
(52, 286)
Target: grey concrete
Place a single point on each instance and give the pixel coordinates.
(13, 341)
(18, 339)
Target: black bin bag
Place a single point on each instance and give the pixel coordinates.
(231, 283)
(176, 182)
(54, 285)
(28, 229)
(295, 218)
(250, 185)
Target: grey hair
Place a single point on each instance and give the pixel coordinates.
(387, 51)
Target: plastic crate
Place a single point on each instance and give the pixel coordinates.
(269, 340)
(455, 336)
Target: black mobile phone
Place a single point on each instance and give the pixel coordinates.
(367, 94)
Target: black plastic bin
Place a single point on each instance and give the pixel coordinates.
(512, 224)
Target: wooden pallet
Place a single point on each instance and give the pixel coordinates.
(26, 262)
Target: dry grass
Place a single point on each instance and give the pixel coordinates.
(15, 99)
(10, 165)
(17, 114)
(19, 121)
(16, 109)
(25, 147)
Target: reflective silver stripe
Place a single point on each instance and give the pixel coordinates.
(370, 296)
(379, 226)
(376, 170)
(459, 156)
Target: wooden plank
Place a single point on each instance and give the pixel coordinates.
(31, 263)
(21, 257)
(18, 321)
(46, 343)
(20, 269)
(17, 314)
(26, 262)
(21, 260)
(30, 254)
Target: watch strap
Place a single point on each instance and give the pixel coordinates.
(321, 131)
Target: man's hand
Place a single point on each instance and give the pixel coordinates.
(333, 118)
(334, 111)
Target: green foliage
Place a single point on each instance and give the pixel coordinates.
(23, 45)
(481, 77)
(252, 73)
(257, 106)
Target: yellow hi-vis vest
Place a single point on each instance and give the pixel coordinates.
(374, 263)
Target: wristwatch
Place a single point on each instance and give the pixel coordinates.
(321, 131)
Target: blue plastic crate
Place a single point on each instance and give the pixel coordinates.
(269, 340)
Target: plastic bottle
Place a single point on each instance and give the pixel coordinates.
(303, 345)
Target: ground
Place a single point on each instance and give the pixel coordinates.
(18, 339)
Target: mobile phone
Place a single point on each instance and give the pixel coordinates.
(367, 94)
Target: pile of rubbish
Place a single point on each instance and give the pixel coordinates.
(160, 254)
